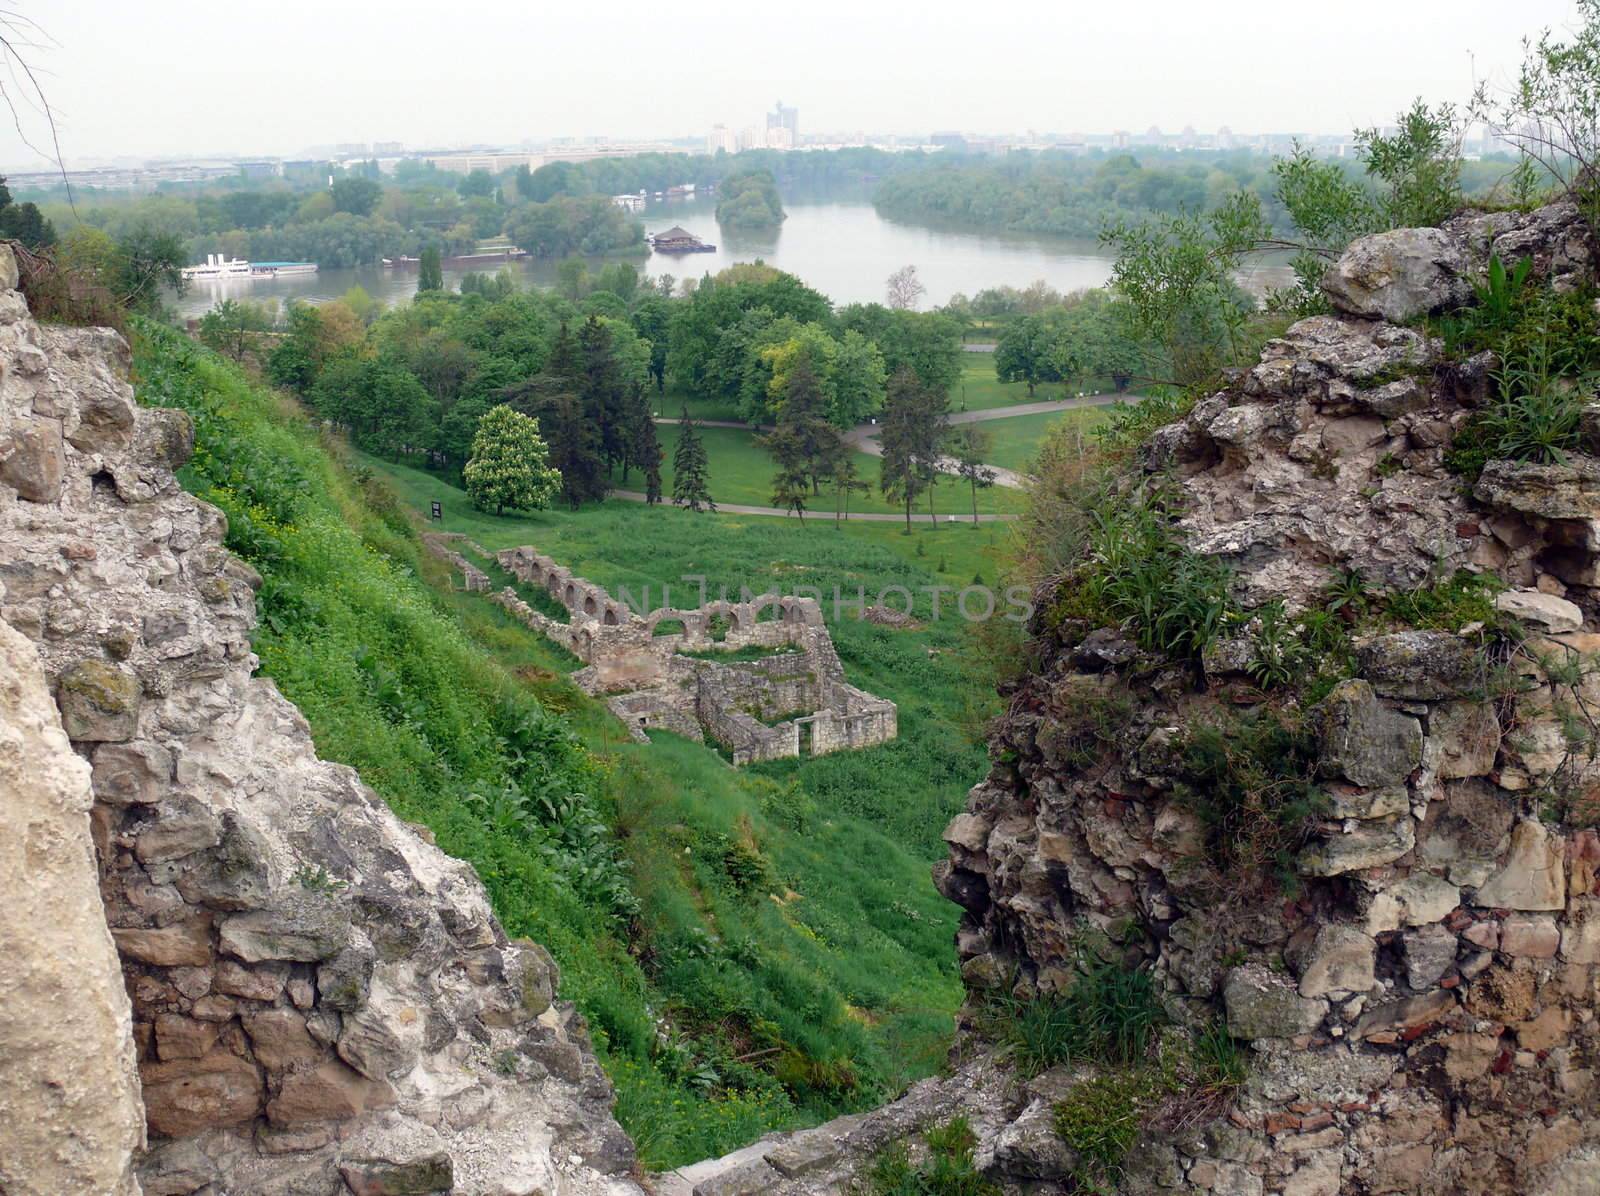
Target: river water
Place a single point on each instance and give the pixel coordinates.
(845, 249)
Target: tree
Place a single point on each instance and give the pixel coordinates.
(644, 449)
(1418, 169)
(905, 289)
(914, 428)
(690, 472)
(1177, 274)
(555, 396)
(358, 196)
(971, 445)
(430, 274)
(601, 391)
(478, 183)
(1022, 353)
(1552, 114)
(847, 480)
(652, 319)
(144, 262)
(24, 222)
(749, 199)
(233, 326)
(509, 466)
(573, 276)
(804, 446)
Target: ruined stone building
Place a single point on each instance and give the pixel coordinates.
(794, 702)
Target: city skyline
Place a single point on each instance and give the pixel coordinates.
(851, 69)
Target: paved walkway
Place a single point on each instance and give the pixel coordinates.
(826, 516)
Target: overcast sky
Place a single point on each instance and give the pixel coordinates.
(158, 77)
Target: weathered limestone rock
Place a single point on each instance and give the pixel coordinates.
(32, 459)
(1341, 961)
(1430, 954)
(1264, 1004)
(70, 1117)
(1541, 610)
(1399, 275)
(1418, 900)
(1533, 877)
(1568, 491)
(99, 701)
(1369, 743)
(1420, 664)
(275, 921)
(1367, 845)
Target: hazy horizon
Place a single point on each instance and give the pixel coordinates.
(186, 78)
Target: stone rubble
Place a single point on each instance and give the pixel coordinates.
(322, 1001)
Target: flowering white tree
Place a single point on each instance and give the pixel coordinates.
(510, 464)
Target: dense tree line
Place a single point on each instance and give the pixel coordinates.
(1077, 195)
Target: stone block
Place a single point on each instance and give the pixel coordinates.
(330, 1092)
(1367, 742)
(33, 459)
(99, 701)
(301, 928)
(186, 943)
(1414, 901)
(1430, 953)
(1367, 846)
(1265, 1004)
(1533, 876)
(1341, 960)
(424, 1176)
(1534, 936)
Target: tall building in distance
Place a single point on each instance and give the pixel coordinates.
(783, 127)
(721, 138)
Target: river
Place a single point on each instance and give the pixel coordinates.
(843, 248)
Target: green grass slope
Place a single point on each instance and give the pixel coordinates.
(754, 949)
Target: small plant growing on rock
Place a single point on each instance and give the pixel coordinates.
(947, 1171)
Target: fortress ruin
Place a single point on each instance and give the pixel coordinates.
(791, 703)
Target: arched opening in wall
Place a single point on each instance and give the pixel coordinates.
(610, 619)
(669, 627)
(590, 606)
(570, 598)
(720, 625)
(792, 613)
(769, 611)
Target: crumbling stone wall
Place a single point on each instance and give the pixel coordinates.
(1421, 1000)
(322, 1001)
(70, 1116)
(652, 685)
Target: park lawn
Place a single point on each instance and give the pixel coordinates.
(1014, 442)
(741, 472)
(979, 390)
(672, 403)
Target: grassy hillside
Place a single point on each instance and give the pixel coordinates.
(754, 949)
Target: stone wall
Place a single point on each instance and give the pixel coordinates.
(70, 1115)
(637, 662)
(322, 1001)
(1421, 1000)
